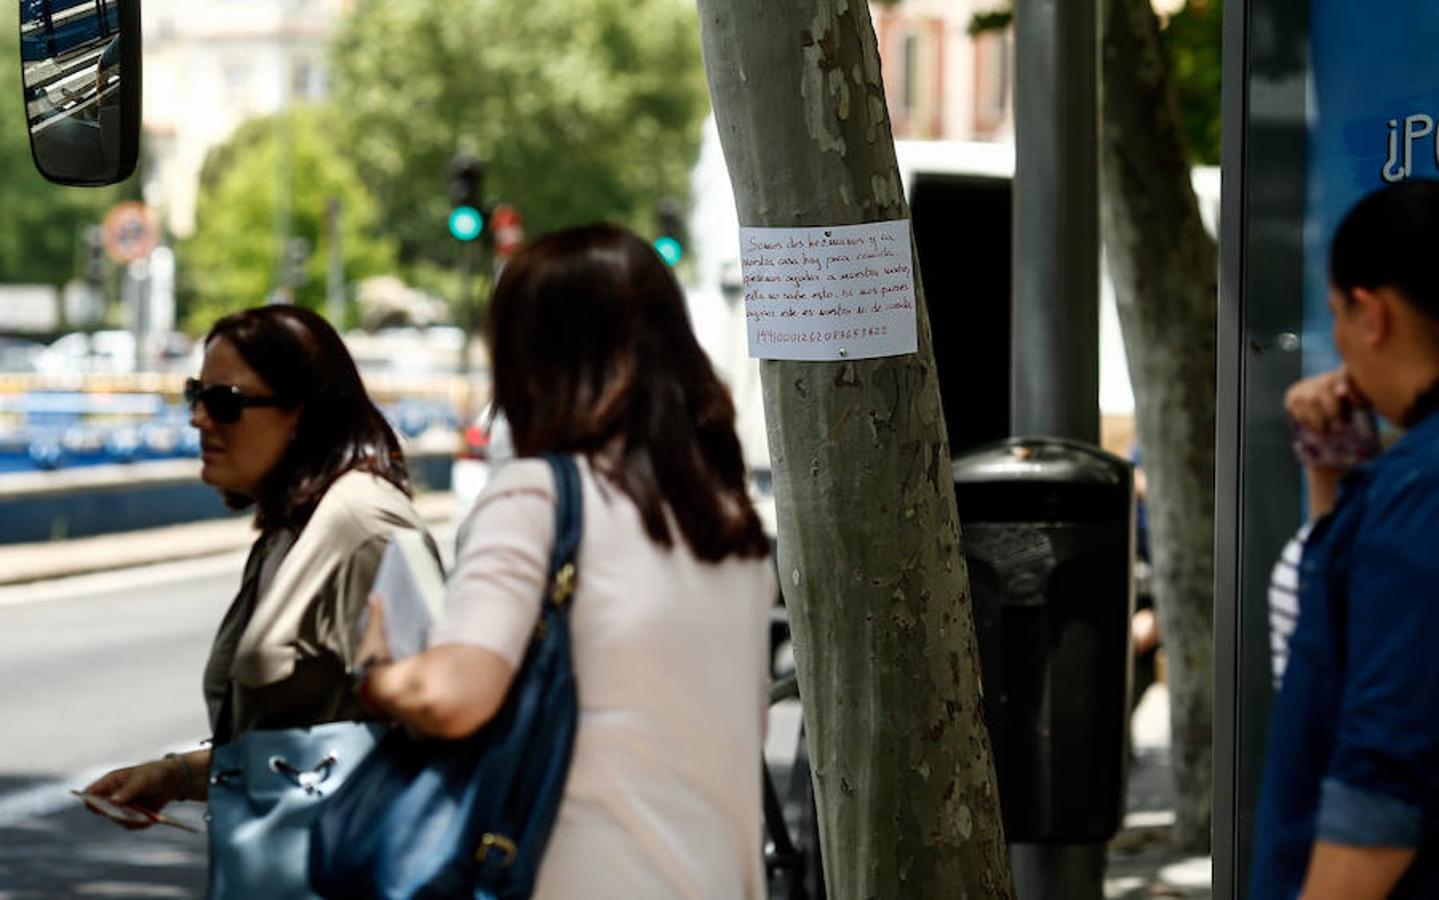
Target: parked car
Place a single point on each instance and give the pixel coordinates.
(113, 351)
(18, 355)
(83, 353)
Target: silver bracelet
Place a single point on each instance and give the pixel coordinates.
(186, 782)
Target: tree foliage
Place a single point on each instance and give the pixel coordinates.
(581, 109)
(1192, 45)
(231, 261)
(39, 243)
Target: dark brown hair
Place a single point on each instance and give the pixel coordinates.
(303, 361)
(593, 354)
(1388, 239)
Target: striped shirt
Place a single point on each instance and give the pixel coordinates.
(1284, 601)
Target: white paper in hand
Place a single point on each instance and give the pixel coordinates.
(411, 588)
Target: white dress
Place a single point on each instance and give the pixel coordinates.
(670, 654)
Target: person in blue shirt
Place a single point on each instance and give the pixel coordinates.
(1350, 802)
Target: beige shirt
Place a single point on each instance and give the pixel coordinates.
(670, 656)
(284, 645)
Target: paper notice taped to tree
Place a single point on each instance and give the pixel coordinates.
(829, 293)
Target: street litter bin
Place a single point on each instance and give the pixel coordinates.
(1049, 541)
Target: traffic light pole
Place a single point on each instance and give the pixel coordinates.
(467, 223)
(335, 273)
(469, 320)
(467, 307)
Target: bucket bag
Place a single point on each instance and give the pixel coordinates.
(266, 787)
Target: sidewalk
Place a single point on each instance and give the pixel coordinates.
(21, 563)
(1141, 862)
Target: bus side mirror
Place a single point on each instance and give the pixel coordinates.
(80, 68)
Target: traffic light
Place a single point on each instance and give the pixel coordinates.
(467, 196)
(671, 241)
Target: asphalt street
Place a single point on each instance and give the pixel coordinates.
(100, 671)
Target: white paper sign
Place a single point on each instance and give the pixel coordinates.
(842, 292)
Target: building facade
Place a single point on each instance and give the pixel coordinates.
(212, 64)
(941, 82)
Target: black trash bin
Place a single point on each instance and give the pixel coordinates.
(1049, 539)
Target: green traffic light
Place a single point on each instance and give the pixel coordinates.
(669, 250)
(466, 223)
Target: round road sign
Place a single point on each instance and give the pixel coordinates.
(128, 233)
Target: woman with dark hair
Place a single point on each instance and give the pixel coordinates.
(1351, 791)
(286, 427)
(593, 356)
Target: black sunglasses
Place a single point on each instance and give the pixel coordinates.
(224, 402)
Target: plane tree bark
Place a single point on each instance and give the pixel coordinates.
(870, 553)
(1164, 268)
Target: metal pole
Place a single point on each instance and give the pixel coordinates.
(135, 291)
(284, 191)
(1055, 371)
(335, 277)
(1055, 379)
(467, 321)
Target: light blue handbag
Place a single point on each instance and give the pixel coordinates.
(266, 787)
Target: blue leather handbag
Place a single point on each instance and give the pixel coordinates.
(266, 787)
(429, 818)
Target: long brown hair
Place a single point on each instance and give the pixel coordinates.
(593, 354)
(303, 361)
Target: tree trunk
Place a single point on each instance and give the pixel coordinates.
(870, 556)
(1165, 273)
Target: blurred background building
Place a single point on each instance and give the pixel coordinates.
(212, 64)
(941, 82)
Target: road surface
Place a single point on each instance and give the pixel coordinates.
(95, 672)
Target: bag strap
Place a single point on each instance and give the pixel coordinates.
(569, 526)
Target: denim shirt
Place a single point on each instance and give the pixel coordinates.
(1353, 752)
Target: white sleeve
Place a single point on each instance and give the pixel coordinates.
(492, 599)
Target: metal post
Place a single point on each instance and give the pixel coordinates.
(335, 276)
(134, 290)
(467, 321)
(1055, 380)
(284, 190)
(1258, 493)
(1055, 370)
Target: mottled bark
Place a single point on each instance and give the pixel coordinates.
(870, 555)
(1165, 273)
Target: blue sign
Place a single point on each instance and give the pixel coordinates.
(1373, 120)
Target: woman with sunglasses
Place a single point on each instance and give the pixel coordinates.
(287, 428)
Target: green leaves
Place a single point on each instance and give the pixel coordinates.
(231, 260)
(1191, 42)
(581, 109)
(997, 20)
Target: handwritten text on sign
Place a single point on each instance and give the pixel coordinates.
(844, 292)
